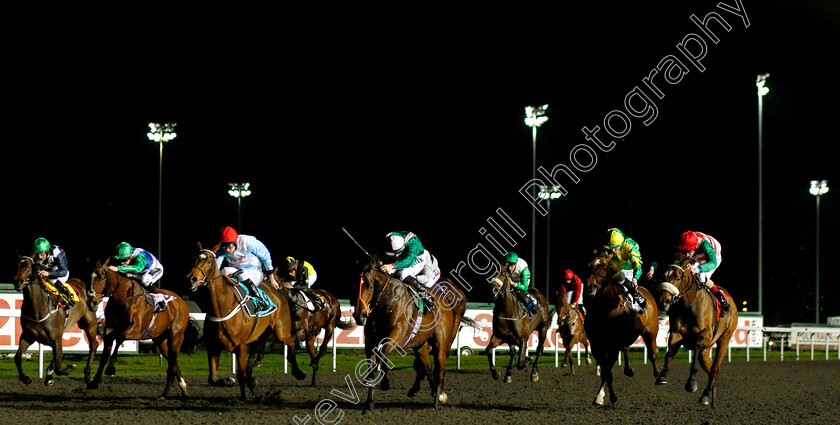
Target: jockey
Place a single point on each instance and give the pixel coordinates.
(52, 262)
(247, 254)
(571, 289)
(704, 253)
(628, 260)
(521, 276)
(300, 275)
(141, 265)
(413, 264)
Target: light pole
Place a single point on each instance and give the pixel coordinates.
(759, 83)
(818, 188)
(161, 133)
(534, 117)
(549, 193)
(239, 191)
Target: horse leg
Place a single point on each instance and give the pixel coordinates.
(313, 355)
(58, 359)
(93, 343)
(513, 354)
(568, 359)
(650, 341)
(628, 371)
(423, 368)
(535, 371)
(606, 360)
(242, 369)
(214, 351)
(691, 383)
(107, 345)
(494, 342)
(440, 371)
(23, 345)
(111, 370)
(674, 342)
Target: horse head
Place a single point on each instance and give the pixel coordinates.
(371, 283)
(501, 283)
(600, 274)
(205, 269)
(26, 273)
(667, 296)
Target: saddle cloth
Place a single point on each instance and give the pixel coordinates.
(74, 293)
(251, 307)
(153, 299)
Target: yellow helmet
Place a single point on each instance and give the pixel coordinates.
(616, 238)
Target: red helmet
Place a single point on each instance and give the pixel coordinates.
(569, 274)
(228, 235)
(689, 241)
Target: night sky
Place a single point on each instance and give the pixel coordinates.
(381, 120)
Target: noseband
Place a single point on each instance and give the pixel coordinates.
(203, 280)
(372, 305)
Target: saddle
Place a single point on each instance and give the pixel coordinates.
(419, 299)
(716, 303)
(301, 299)
(155, 299)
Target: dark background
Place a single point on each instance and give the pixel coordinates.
(381, 120)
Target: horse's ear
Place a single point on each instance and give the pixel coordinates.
(215, 248)
(199, 245)
(107, 260)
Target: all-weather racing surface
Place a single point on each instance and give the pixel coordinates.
(803, 392)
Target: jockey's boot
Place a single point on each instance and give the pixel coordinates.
(316, 300)
(526, 301)
(161, 305)
(255, 294)
(421, 290)
(633, 297)
(640, 300)
(582, 309)
(724, 304)
(65, 293)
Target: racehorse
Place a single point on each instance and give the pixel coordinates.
(570, 326)
(512, 326)
(306, 326)
(44, 321)
(393, 322)
(610, 325)
(695, 326)
(228, 326)
(128, 316)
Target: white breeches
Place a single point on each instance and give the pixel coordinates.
(425, 269)
(254, 275)
(705, 276)
(148, 277)
(312, 278)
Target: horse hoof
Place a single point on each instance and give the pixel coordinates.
(691, 386)
(93, 385)
(629, 372)
(110, 371)
(661, 381)
(367, 411)
(535, 377)
(49, 382)
(496, 374)
(563, 365)
(299, 375)
(252, 383)
(229, 381)
(385, 385)
(413, 392)
(598, 401)
(508, 379)
(704, 401)
(258, 363)
(70, 368)
(443, 398)
(26, 380)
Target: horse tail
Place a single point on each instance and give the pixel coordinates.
(470, 322)
(191, 336)
(345, 324)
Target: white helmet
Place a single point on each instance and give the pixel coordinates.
(397, 243)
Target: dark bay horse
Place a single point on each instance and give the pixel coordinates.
(387, 310)
(129, 317)
(512, 326)
(610, 325)
(306, 325)
(228, 326)
(570, 326)
(695, 326)
(43, 320)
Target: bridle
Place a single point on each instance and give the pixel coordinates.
(211, 259)
(92, 291)
(374, 298)
(684, 284)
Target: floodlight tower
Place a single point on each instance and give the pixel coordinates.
(818, 188)
(161, 133)
(239, 191)
(534, 117)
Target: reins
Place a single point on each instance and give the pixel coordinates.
(373, 302)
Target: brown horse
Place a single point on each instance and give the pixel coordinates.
(128, 316)
(306, 325)
(512, 326)
(570, 326)
(228, 326)
(44, 321)
(393, 322)
(695, 326)
(610, 325)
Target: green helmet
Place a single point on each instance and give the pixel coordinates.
(41, 245)
(511, 257)
(124, 251)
